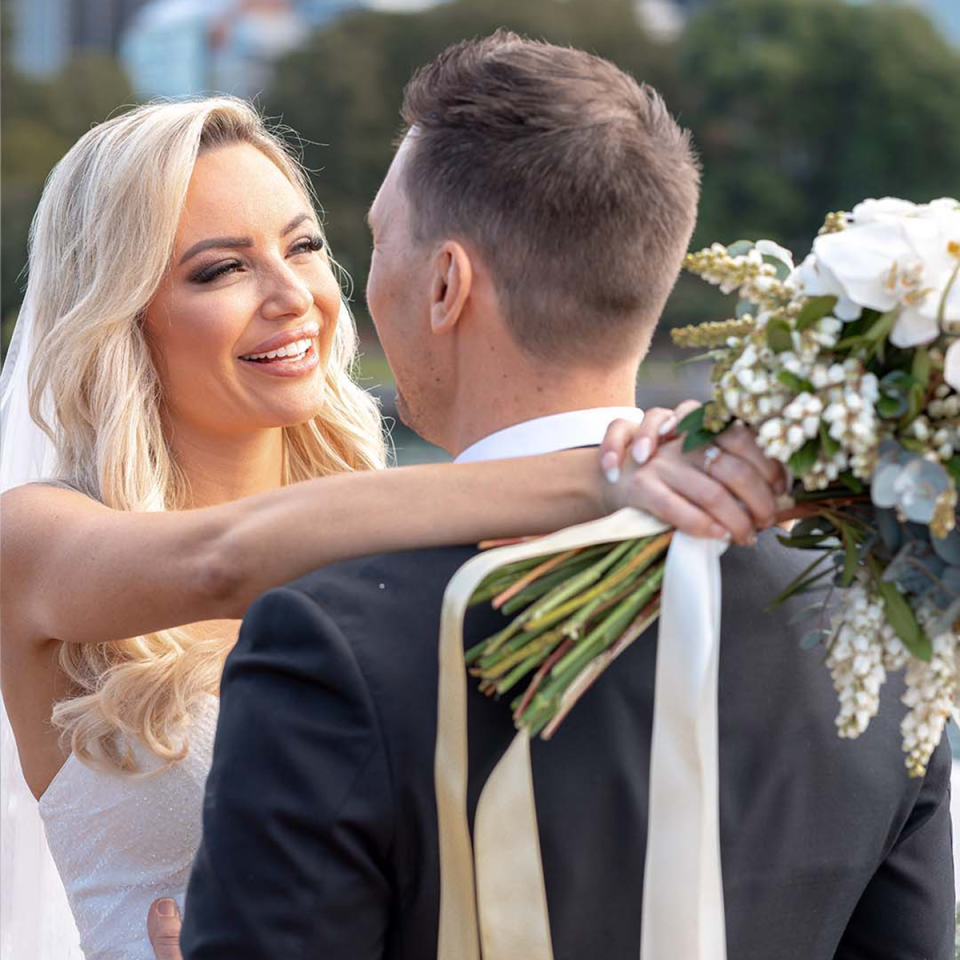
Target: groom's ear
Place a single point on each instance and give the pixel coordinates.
(450, 290)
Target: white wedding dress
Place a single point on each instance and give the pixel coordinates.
(119, 842)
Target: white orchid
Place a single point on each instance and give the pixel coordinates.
(894, 256)
(813, 278)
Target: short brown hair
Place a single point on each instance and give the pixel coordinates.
(570, 179)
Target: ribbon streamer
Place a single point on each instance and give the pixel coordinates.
(492, 899)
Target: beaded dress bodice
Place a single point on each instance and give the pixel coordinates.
(120, 842)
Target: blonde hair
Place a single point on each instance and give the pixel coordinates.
(100, 243)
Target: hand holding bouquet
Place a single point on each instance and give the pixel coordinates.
(848, 369)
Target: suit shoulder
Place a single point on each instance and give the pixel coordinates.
(377, 584)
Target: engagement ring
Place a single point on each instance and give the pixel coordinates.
(710, 456)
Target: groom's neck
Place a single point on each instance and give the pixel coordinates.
(515, 393)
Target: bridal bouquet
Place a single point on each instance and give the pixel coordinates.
(848, 369)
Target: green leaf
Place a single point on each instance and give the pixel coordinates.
(953, 466)
(779, 337)
(816, 308)
(851, 555)
(745, 307)
(901, 617)
(740, 248)
(920, 370)
(696, 435)
(807, 576)
(830, 446)
(804, 458)
(792, 382)
(812, 542)
(892, 406)
(851, 482)
(882, 326)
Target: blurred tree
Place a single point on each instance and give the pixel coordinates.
(804, 106)
(39, 122)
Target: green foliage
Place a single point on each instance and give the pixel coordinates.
(39, 122)
(805, 106)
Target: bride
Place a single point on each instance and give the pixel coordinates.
(185, 349)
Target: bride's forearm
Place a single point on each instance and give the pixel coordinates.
(277, 536)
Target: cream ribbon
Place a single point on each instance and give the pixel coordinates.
(493, 900)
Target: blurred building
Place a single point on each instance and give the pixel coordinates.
(47, 33)
(174, 48)
(665, 19)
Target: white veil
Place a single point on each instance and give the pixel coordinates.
(35, 918)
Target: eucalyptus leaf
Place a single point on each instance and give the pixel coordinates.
(746, 308)
(740, 248)
(783, 271)
(890, 530)
(947, 591)
(811, 639)
(918, 486)
(948, 547)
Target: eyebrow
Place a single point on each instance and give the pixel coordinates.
(238, 241)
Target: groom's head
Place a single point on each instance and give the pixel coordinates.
(535, 216)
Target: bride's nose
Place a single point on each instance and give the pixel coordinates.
(286, 295)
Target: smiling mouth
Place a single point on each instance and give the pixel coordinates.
(291, 353)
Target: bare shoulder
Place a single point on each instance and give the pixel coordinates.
(34, 518)
(34, 510)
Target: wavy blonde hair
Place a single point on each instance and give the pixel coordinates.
(100, 242)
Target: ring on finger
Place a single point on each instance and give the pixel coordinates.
(710, 457)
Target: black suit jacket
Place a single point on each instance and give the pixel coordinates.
(320, 834)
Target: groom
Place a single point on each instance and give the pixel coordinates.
(526, 237)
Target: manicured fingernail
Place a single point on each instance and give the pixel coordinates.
(720, 533)
(167, 908)
(611, 467)
(751, 541)
(668, 426)
(641, 450)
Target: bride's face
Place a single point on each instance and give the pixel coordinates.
(249, 272)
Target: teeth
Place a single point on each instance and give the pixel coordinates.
(291, 350)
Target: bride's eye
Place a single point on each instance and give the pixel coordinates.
(208, 274)
(309, 245)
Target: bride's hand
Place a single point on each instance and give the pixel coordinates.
(729, 491)
(163, 929)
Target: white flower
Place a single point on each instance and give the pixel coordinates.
(894, 256)
(863, 649)
(931, 693)
(951, 368)
(814, 279)
(884, 210)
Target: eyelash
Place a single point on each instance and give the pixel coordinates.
(209, 274)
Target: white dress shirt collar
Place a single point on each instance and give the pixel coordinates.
(559, 431)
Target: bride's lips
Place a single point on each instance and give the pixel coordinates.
(284, 367)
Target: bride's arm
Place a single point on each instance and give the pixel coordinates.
(78, 571)
(75, 570)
